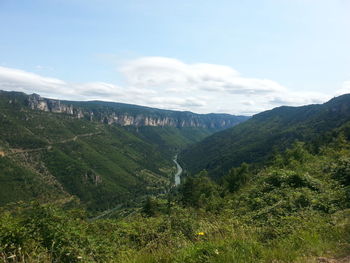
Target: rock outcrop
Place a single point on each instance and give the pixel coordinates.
(36, 102)
(132, 115)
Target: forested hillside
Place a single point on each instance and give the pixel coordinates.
(175, 131)
(290, 203)
(52, 155)
(265, 133)
(295, 209)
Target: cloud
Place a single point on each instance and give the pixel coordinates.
(344, 89)
(296, 99)
(172, 84)
(181, 103)
(175, 76)
(19, 80)
(216, 87)
(96, 90)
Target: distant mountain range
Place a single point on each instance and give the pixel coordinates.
(133, 115)
(262, 135)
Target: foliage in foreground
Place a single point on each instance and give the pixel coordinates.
(294, 209)
(48, 234)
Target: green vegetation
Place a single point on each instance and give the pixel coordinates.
(170, 140)
(290, 204)
(48, 156)
(19, 183)
(258, 138)
(293, 210)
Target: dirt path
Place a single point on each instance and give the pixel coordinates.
(331, 260)
(16, 151)
(77, 136)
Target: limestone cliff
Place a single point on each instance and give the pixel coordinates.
(36, 102)
(133, 115)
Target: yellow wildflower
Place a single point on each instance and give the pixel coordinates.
(200, 233)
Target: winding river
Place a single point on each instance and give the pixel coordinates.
(178, 172)
(177, 178)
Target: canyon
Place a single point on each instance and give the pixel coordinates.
(133, 115)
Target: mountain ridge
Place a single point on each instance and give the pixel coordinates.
(50, 149)
(264, 133)
(132, 115)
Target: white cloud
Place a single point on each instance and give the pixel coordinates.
(172, 84)
(299, 98)
(175, 103)
(220, 88)
(19, 80)
(175, 76)
(344, 89)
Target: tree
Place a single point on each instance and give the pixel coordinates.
(237, 177)
(197, 190)
(150, 207)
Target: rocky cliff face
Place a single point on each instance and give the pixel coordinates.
(191, 121)
(126, 115)
(36, 102)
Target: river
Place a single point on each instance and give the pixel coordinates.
(178, 172)
(177, 178)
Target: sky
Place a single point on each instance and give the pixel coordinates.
(224, 56)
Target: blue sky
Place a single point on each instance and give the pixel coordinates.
(205, 56)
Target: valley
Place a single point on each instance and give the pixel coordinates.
(174, 131)
(99, 162)
(76, 188)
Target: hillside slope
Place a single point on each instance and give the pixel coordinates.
(49, 154)
(266, 132)
(100, 164)
(295, 209)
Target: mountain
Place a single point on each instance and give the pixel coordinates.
(59, 150)
(133, 115)
(256, 139)
(294, 209)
